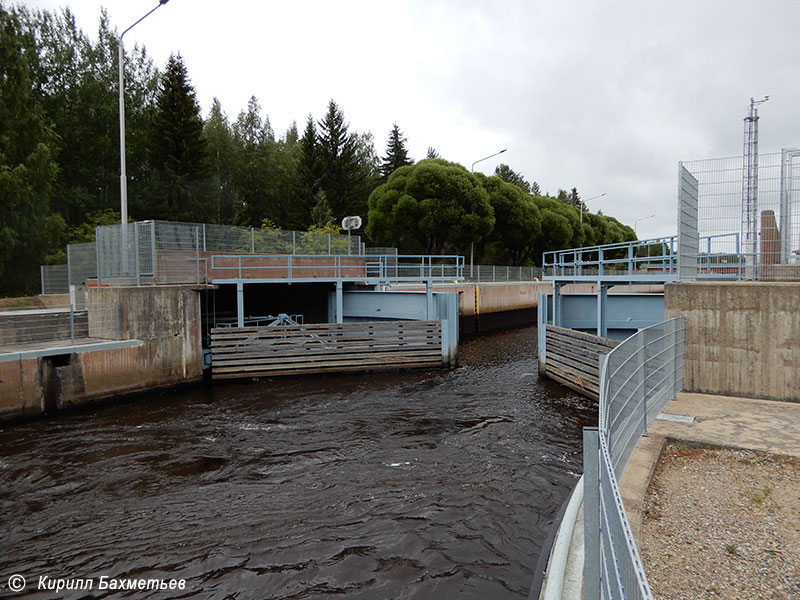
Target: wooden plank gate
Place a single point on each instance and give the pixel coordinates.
(572, 358)
(238, 352)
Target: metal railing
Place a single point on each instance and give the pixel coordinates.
(59, 325)
(498, 274)
(655, 255)
(719, 257)
(324, 267)
(637, 379)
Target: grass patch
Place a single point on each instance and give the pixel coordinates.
(758, 497)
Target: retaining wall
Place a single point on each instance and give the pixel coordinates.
(167, 321)
(742, 338)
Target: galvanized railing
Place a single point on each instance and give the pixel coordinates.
(500, 273)
(637, 379)
(718, 256)
(324, 267)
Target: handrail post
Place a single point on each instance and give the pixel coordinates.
(116, 320)
(591, 513)
(72, 323)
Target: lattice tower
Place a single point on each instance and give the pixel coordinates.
(749, 228)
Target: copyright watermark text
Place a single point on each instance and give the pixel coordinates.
(17, 583)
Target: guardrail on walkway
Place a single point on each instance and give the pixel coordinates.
(637, 379)
(378, 268)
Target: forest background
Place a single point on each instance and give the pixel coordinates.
(59, 164)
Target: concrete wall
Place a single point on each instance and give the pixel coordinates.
(742, 338)
(166, 319)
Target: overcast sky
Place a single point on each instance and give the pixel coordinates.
(605, 96)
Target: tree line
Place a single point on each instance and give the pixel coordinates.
(59, 163)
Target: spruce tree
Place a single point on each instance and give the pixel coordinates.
(340, 176)
(396, 153)
(308, 171)
(179, 151)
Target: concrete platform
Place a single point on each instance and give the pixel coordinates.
(765, 425)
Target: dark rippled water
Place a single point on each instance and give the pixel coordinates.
(437, 484)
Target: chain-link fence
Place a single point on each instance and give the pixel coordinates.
(637, 379)
(748, 218)
(65, 325)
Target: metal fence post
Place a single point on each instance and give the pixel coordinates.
(641, 378)
(136, 253)
(98, 254)
(294, 242)
(72, 323)
(197, 253)
(591, 513)
(252, 241)
(116, 320)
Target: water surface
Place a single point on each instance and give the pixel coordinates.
(436, 484)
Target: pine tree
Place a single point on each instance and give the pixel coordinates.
(179, 150)
(432, 153)
(396, 153)
(509, 175)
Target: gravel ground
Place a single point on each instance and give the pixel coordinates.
(722, 523)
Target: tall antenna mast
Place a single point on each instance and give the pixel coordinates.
(749, 229)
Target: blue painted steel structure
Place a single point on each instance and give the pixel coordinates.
(240, 270)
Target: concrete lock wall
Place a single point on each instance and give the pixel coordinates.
(742, 338)
(166, 319)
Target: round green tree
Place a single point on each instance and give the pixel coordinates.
(430, 207)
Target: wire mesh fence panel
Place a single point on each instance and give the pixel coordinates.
(81, 263)
(65, 324)
(55, 279)
(747, 217)
(501, 273)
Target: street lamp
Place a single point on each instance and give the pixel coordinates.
(636, 222)
(472, 170)
(587, 200)
(123, 176)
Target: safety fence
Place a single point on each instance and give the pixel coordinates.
(59, 325)
(637, 379)
(747, 211)
(290, 268)
(497, 273)
(238, 352)
(55, 279)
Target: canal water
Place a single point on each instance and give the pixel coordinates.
(436, 484)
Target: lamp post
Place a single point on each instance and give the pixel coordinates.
(587, 200)
(636, 222)
(472, 170)
(123, 176)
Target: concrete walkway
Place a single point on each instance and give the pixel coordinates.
(765, 425)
